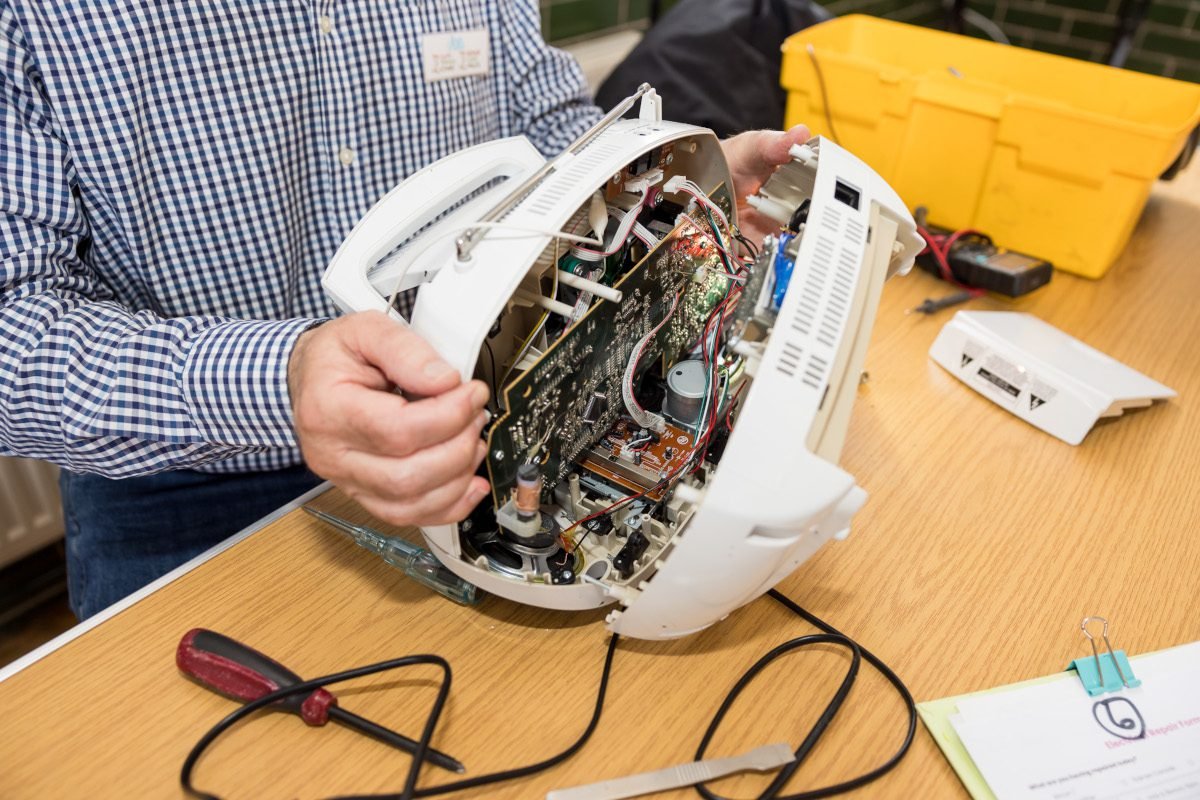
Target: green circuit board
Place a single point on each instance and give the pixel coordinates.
(545, 419)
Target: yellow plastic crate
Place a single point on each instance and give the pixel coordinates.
(1049, 155)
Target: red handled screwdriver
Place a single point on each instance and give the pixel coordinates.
(231, 668)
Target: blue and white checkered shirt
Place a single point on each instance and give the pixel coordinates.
(174, 178)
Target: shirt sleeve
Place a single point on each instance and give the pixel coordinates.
(549, 101)
(85, 382)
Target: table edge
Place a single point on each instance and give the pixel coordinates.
(33, 656)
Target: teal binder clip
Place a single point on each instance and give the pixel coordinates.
(1103, 675)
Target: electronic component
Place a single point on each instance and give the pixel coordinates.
(599, 526)
(687, 383)
(625, 560)
(529, 490)
(785, 262)
(595, 408)
(646, 365)
(975, 261)
(637, 462)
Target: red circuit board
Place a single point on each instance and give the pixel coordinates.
(641, 466)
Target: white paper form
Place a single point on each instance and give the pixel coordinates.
(1054, 742)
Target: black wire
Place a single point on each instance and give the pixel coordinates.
(812, 54)
(818, 729)
(830, 636)
(532, 769)
(418, 758)
(305, 687)
(746, 243)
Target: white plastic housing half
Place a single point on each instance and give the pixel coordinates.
(777, 494)
(357, 281)
(1043, 375)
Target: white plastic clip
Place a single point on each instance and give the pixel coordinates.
(650, 110)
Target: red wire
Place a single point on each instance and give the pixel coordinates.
(940, 246)
(702, 441)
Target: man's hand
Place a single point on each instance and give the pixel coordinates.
(407, 461)
(753, 156)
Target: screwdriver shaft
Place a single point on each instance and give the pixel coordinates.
(397, 740)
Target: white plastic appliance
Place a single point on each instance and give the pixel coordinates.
(475, 232)
(1046, 377)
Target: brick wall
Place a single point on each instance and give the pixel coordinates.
(1168, 42)
(564, 20)
(921, 12)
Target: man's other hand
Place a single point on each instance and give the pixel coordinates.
(753, 157)
(408, 461)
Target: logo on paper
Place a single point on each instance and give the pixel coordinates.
(1120, 717)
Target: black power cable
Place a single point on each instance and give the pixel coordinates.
(772, 792)
(830, 636)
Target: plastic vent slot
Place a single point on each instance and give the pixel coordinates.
(548, 197)
(789, 359)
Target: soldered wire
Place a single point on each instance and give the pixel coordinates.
(625, 228)
(729, 271)
(693, 189)
(642, 417)
(724, 252)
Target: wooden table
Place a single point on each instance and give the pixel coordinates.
(983, 544)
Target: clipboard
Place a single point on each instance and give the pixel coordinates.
(1110, 686)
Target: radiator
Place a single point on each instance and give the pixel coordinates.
(30, 512)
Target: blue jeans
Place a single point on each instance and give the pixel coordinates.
(123, 534)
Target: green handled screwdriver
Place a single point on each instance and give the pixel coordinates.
(416, 562)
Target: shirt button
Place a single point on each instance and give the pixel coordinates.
(326, 24)
(346, 156)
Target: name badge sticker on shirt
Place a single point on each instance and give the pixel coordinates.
(456, 54)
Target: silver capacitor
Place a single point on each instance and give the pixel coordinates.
(685, 392)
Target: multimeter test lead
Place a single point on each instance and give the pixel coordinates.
(414, 561)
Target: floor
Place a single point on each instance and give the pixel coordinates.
(33, 603)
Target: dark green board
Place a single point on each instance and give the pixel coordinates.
(547, 401)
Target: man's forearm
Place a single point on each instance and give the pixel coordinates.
(97, 388)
